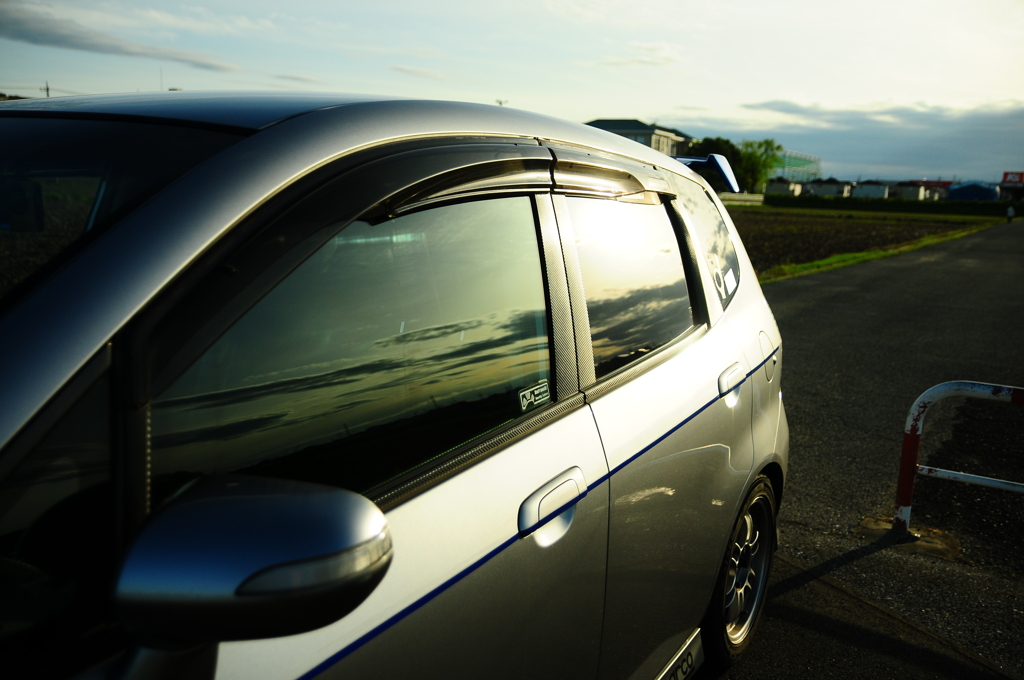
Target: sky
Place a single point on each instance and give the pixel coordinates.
(894, 89)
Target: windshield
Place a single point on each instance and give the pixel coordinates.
(62, 181)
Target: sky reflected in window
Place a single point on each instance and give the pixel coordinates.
(391, 345)
(633, 278)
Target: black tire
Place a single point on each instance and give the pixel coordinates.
(742, 585)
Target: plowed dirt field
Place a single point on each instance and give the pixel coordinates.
(776, 237)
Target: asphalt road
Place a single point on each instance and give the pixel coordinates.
(860, 344)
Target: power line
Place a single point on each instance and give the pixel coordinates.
(41, 89)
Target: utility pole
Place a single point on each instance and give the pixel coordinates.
(46, 89)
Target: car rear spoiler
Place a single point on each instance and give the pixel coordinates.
(717, 161)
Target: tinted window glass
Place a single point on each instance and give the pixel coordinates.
(62, 179)
(713, 234)
(633, 279)
(57, 546)
(394, 344)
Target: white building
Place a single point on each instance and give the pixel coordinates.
(669, 141)
(781, 185)
(828, 187)
(909, 192)
(871, 189)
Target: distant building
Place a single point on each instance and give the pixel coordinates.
(798, 167)
(828, 187)
(872, 188)
(669, 141)
(935, 190)
(974, 191)
(1012, 186)
(909, 191)
(781, 185)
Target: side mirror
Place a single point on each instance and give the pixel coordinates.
(242, 558)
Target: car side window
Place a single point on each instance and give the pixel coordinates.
(394, 344)
(57, 546)
(719, 252)
(633, 279)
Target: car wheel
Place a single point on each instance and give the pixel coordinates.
(739, 594)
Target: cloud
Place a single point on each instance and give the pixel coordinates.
(232, 430)
(633, 319)
(419, 72)
(650, 54)
(29, 26)
(431, 333)
(117, 15)
(640, 15)
(887, 141)
(300, 79)
(919, 117)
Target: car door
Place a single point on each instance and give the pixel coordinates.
(743, 309)
(420, 354)
(671, 402)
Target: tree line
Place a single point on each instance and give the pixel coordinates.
(751, 161)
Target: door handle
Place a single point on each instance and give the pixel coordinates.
(730, 378)
(551, 500)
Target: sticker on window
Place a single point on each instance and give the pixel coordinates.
(730, 282)
(534, 395)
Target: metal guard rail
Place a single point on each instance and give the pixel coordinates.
(909, 469)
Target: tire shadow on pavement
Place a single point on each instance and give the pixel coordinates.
(814, 628)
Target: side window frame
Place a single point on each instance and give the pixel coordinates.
(594, 174)
(388, 185)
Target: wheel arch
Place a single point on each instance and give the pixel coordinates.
(773, 471)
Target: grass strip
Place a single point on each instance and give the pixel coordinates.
(788, 271)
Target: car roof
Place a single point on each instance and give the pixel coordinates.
(242, 109)
(252, 111)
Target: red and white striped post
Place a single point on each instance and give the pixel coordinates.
(912, 442)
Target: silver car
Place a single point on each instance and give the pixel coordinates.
(301, 386)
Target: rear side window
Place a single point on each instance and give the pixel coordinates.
(706, 222)
(633, 278)
(62, 180)
(394, 344)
